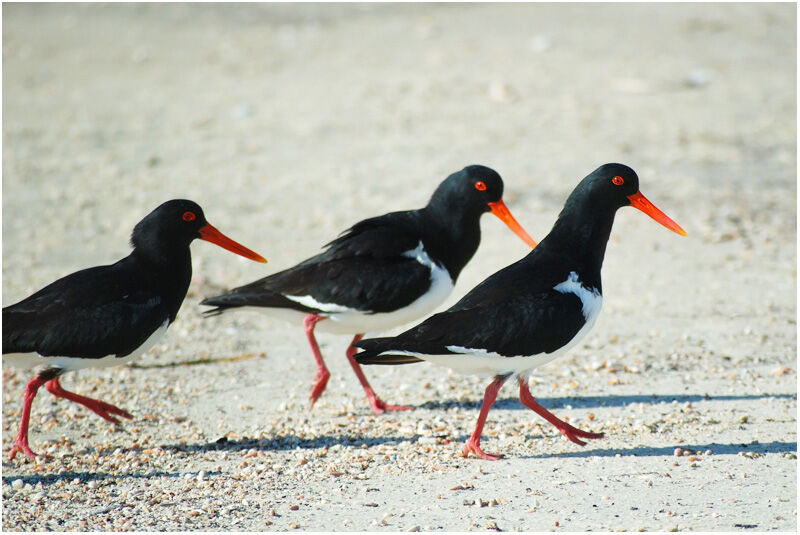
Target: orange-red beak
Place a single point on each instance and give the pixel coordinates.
(640, 202)
(209, 233)
(499, 209)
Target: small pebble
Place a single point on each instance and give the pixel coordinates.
(500, 92)
(697, 78)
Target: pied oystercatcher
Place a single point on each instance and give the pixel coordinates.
(532, 311)
(107, 315)
(382, 272)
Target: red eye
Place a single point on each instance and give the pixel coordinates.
(189, 216)
(480, 186)
(618, 180)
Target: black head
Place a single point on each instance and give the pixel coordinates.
(474, 190)
(612, 186)
(175, 224)
(178, 221)
(584, 225)
(608, 186)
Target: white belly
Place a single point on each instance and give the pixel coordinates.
(31, 360)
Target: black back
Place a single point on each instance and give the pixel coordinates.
(113, 309)
(365, 268)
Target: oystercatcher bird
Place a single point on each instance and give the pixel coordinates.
(108, 315)
(382, 272)
(532, 311)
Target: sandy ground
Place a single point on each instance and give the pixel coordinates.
(289, 123)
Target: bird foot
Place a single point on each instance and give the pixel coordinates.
(21, 445)
(475, 447)
(572, 434)
(105, 410)
(320, 382)
(379, 406)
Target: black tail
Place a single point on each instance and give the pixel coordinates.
(236, 299)
(221, 302)
(373, 348)
(214, 311)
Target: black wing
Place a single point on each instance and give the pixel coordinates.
(92, 313)
(363, 269)
(514, 312)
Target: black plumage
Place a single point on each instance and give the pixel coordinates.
(101, 315)
(363, 270)
(497, 315)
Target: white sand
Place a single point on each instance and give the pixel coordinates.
(289, 123)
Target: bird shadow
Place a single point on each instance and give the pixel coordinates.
(85, 477)
(196, 362)
(584, 402)
(287, 442)
(669, 451)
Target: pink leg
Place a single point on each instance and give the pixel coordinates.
(321, 379)
(101, 408)
(378, 405)
(474, 443)
(572, 433)
(21, 442)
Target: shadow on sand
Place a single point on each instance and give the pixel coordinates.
(668, 451)
(85, 477)
(585, 402)
(288, 442)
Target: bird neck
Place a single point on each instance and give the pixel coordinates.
(581, 235)
(170, 274)
(452, 235)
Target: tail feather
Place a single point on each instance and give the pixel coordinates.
(368, 358)
(374, 349)
(214, 311)
(236, 299)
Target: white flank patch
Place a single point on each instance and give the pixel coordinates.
(591, 299)
(31, 360)
(344, 320)
(481, 361)
(310, 302)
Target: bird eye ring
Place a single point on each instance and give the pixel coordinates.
(618, 180)
(189, 216)
(480, 186)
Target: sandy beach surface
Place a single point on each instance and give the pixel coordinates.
(288, 123)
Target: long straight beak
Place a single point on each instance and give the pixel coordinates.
(640, 202)
(209, 233)
(499, 209)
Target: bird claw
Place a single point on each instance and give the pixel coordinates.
(105, 410)
(572, 434)
(21, 446)
(379, 406)
(475, 447)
